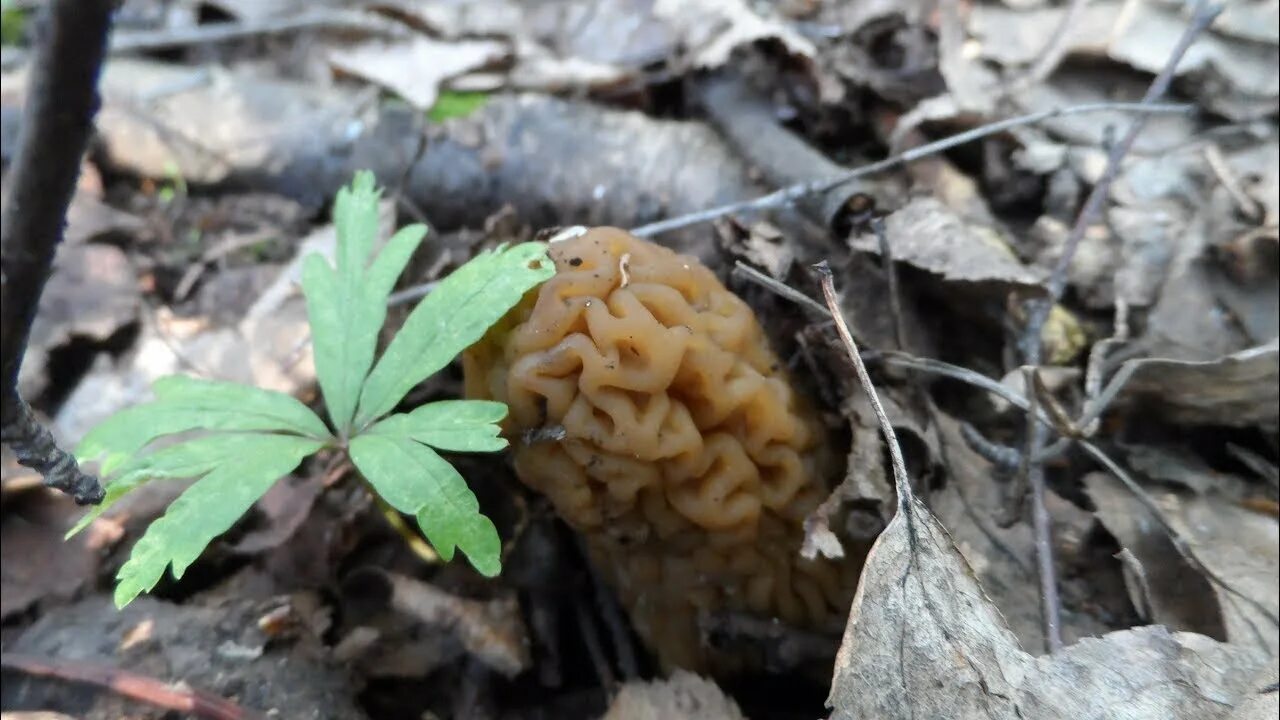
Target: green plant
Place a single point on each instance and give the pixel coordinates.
(13, 23)
(246, 438)
(453, 104)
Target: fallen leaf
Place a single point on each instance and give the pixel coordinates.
(414, 69)
(35, 563)
(1002, 559)
(285, 507)
(683, 696)
(92, 294)
(88, 219)
(1239, 390)
(1234, 78)
(924, 641)
(711, 30)
(928, 235)
(1240, 547)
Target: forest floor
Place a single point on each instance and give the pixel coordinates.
(1121, 553)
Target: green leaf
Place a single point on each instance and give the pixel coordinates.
(189, 459)
(185, 391)
(454, 316)
(454, 104)
(251, 464)
(185, 403)
(458, 425)
(13, 23)
(413, 479)
(347, 304)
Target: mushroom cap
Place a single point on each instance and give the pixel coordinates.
(687, 459)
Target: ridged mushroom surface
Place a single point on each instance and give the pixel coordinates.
(687, 459)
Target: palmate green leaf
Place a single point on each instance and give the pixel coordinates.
(455, 315)
(250, 465)
(457, 425)
(185, 403)
(189, 459)
(347, 304)
(413, 479)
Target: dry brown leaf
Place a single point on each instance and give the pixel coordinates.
(928, 235)
(1239, 390)
(924, 641)
(1240, 547)
(1236, 56)
(712, 29)
(683, 696)
(414, 69)
(93, 293)
(35, 563)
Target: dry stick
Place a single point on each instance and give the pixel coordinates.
(790, 194)
(895, 308)
(1038, 314)
(905, 496)
(1204, 16)
(57, 122)
(1033, 471)
(170, 696)
(142, 40)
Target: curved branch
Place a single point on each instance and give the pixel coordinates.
(57, 121)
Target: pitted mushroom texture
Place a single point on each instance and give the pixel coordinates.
(687, 460)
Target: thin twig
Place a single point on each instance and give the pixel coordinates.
(745, 271)
(891, 276)
(905, 495)
(142, 40)
(1038, 313)
(57, 121)
(170, 696)
(614, 622)
(1203, 16)
(1251, 208)
(792, 193)
(590, 633)
(1033, 471)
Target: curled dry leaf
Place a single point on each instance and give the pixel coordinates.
(414, 69)
(928, 235)
(923, 640)
(712, 29)
(1238, 390)
(1240, 547)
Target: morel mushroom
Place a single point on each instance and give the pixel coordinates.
(687, 460)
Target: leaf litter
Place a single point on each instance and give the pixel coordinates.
(946, 620)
